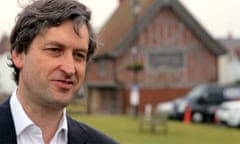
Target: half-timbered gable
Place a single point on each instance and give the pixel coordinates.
(175, 50)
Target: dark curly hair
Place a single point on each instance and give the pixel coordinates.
(43, 14)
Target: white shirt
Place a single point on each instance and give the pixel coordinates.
(27, 132)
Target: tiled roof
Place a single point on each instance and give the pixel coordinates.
(230, 43)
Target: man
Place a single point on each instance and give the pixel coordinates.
(51, 45)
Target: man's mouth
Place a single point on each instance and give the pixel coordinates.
(67, 81)
(64, 84)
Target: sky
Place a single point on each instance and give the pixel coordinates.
(218, 17)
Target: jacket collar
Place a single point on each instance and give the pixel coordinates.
(73, 130)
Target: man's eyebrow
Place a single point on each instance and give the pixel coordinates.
(85, 50)
(59, 44)
(55, 43)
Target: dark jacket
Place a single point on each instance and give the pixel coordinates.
(78, 133)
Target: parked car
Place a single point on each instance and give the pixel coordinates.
(229, 113)
(203, 100)
(165, 107)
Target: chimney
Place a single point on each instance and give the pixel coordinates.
(229, 36)
(121, 1)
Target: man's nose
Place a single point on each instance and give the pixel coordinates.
(68, 65)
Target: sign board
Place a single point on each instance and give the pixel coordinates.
(134, 95)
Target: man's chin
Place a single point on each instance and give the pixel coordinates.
(58, 105)
(61, 103)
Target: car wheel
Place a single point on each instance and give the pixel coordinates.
(197, 117)
(238, 126)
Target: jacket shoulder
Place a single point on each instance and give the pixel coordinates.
(80, 131)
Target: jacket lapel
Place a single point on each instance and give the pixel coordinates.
(75, 134)
(7, 129)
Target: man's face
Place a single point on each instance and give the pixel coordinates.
(54, 68)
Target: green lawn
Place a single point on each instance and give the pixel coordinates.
(125, 130)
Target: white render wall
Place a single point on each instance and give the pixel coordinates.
(233, 70)
(229, 70)
(222, 69)
(7, 85)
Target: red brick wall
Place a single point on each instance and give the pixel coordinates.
(154, 97)
(201, 67)
(95, 75)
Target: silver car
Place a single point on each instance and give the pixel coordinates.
(229, 113)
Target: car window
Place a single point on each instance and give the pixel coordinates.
(214, 96)
(196, 92)
(232, 93)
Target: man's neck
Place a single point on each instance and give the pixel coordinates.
(46, 119)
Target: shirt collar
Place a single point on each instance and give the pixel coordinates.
(63, 126)
(22, 121)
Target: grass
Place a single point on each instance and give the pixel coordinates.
(125, 130)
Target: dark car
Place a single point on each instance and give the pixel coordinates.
(203, 101)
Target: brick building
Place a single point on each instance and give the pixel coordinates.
(176, 51)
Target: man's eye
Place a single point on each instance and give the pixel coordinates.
(80, 56)
(54, 49)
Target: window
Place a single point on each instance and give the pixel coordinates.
(174, 60)
(102, 69)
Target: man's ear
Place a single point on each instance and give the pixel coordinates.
(17, 59)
